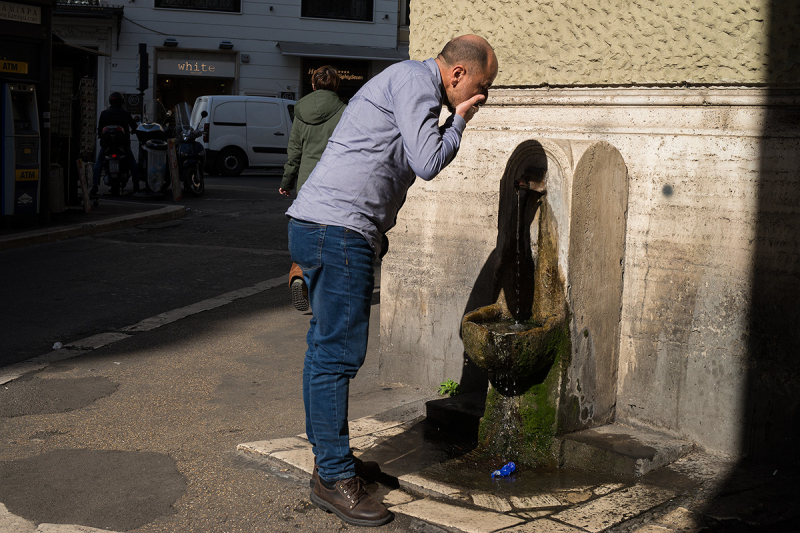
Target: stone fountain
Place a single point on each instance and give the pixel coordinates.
(539, 341)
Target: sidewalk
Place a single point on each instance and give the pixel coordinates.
(422, 479)
(109, 215)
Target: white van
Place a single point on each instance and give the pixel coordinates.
(243, 131)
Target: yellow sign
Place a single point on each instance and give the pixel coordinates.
(28, 174)
(15, 67)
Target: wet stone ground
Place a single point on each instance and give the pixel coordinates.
(438, 476)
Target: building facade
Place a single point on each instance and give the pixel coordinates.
(701, 99)
(247, 47)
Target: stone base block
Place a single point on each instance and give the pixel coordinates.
(461, 414)
(621, 450)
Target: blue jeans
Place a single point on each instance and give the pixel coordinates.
(98, 165)
(337, 265)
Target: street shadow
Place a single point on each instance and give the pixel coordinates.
(761, 494)
(421, 446)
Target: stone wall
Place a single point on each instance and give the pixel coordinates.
(708, 334)
(697, 161)
(574, 42)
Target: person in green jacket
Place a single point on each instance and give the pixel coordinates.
(315, 117)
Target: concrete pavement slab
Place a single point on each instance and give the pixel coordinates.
(535, 502)
(422, 485)
(680, 519)
(464, 519)
(397, 497)
(492, 502)
(544, 526)
(614, 508)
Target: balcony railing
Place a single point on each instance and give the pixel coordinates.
(96, 8)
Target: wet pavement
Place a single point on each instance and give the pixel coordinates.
(437, 476)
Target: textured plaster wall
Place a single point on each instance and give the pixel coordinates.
(695, 162)
(567, 42)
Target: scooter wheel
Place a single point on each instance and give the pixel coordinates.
(195, 184)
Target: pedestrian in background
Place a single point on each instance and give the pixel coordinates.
(315, 117)
(388, 135)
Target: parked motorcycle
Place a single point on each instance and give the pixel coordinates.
(191, 154)
(113, 141)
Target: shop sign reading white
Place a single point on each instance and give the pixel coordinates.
(211, 68)
(20, 13)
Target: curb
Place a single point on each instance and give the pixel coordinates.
(166, 213)
(83, 346)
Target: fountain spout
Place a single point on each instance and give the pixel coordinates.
(532, 180)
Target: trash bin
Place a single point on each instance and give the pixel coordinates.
(157, 173)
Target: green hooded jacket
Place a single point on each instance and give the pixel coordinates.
(315, 117)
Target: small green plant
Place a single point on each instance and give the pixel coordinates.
(449, 388)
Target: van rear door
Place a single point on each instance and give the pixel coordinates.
(267, 133)
(228, 125)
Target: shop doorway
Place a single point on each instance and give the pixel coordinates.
(354, 74)
(172, 90)
(73, 114)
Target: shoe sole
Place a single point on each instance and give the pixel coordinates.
(300, 303)
(325, 506)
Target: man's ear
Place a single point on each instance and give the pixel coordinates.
(456, 74)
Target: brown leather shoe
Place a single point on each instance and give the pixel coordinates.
(369, 471)
(348, 500)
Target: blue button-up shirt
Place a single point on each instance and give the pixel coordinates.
(388, 134)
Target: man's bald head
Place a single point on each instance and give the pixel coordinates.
(468, 67)
(470, 49)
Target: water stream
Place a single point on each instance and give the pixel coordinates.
(519, 253)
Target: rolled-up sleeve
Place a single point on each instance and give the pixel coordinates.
(428, 147)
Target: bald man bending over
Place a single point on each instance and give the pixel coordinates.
(388, 135)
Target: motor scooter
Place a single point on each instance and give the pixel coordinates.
(191, 154)
(113, 141)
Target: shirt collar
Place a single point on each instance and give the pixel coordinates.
(434, 68)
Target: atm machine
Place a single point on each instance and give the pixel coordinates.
(19, 149)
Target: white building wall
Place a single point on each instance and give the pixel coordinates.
(255, 31)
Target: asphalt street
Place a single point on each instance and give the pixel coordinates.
(141, 435)
(232, 237)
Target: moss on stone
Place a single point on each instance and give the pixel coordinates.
(522, 428)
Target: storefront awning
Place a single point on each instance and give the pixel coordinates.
(338, 51)
(58, 42)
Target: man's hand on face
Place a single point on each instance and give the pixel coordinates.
(468, 108)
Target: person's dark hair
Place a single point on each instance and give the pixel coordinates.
(116, 100)
(465, 51)
(326, 78)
